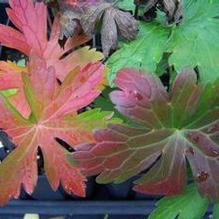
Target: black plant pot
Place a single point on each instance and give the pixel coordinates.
(3, 15)
(43, 191)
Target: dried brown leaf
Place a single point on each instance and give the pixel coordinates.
(128, 27)
(109, 31)
(70, 23)
(172, 8)
(114, 22)
(92, 16)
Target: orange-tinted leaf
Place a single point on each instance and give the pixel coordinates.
(25, 15)
(53, 115)
(10, 77)
(19, 101)
(31, 39)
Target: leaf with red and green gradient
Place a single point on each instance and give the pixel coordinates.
(10, 78)
(174, 126)
(31, 39)
(53, 115)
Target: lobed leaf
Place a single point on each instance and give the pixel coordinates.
(114, 23)
(187, 205)
(10, 78)
(31, 39)
(43, 110)
(216, 211)
(53, 115)
(126, 5)
(173, 127)
(197, 33)
(145, 52)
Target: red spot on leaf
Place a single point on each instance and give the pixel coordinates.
(194, 138)
(136, 95)
(190, 150)
(214, 128)
(202, 176)
(83, 79)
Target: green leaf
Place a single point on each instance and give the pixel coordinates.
(9, 92)
(103, 100)
(126, 5)
(216, 211)
(193, 43)
(188, 205)
(21, 63)
(144, 52)
(91, 119)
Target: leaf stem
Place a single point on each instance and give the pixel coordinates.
(136, 11)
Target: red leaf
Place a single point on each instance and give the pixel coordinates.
(13, 39)
(32, 32)
(10, 77)
(26, 16)
(173, 127)
(53, 115)
(31, 39)
(42, 110)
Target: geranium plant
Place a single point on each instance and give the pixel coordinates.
(162, 131)
(51, 90)
(173, 127)
(189, 44)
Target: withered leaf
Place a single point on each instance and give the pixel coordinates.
(172, 8)
(92, 15)
(71, 11)
(114, 22)
(128, 27)
(109, 32)
(70, 24)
